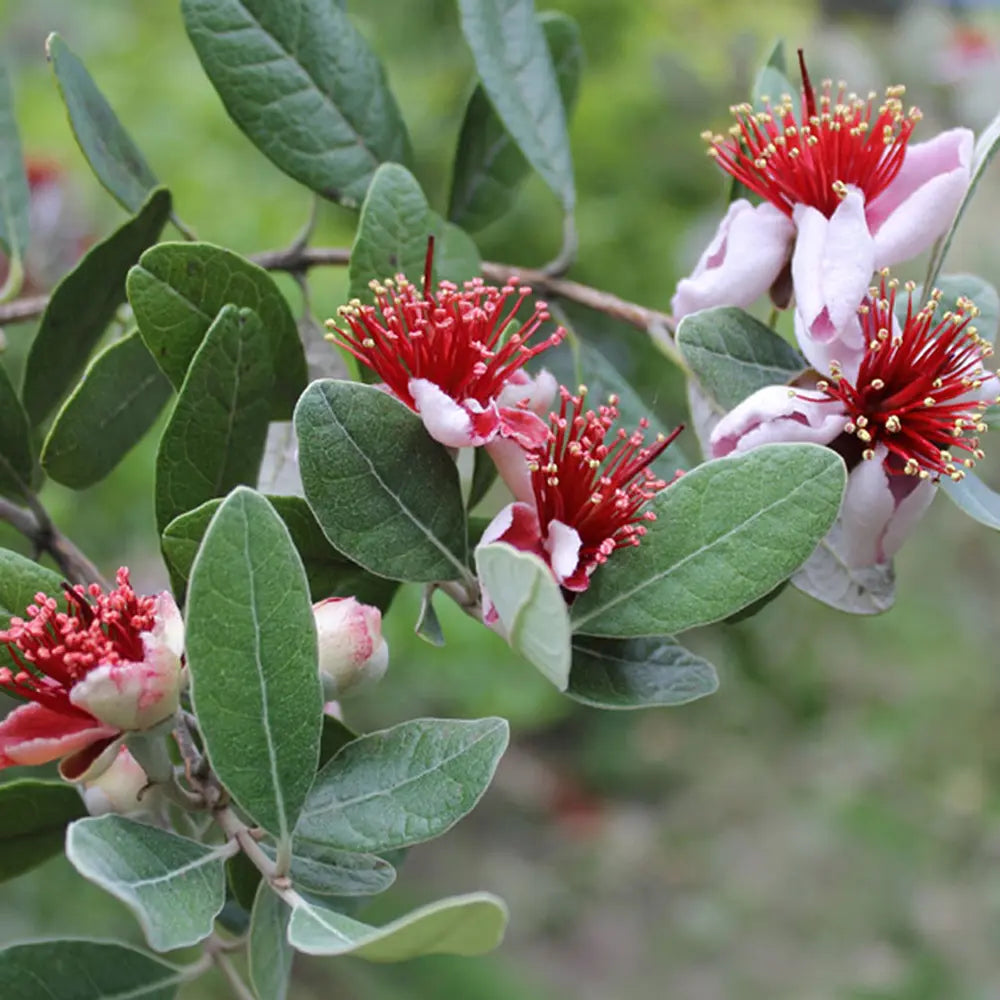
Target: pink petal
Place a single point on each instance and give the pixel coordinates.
(777, 414)
(168, 632)
(832, 265)
(517, 525)
(91, 762)
(563, 548)
(918, 206)
(536, 392)
(132, 696)
(34, 734)
(526, 428)
(847, 350)
(446, 420)
(511, 461)
(741, 263)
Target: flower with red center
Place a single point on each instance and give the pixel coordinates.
(902, 411)
(588, 494)
(453, 357)
(844, 193)
(107, 665)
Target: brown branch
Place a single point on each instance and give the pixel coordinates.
(34, 523)
(23, 310)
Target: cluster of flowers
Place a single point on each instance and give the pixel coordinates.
(456, 356)
(844, 196)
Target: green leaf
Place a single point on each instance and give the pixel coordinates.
(33, 820)
(428, 625)
(177, 290)
(384, 493)
(17, 458)
(329, 573)
(82, 306)
(334, 736)
(402, 785)
(109, 149)
(325, 871)
(530, 606)
(516, 70)
(214, 439)
(461, 925)
(826, 576)
(269, 954)
(251, 651)
(119, 398)
(972, 496)
(489, 167)
(86, 970)
(484, 475)
(725, 534)
(242, 879)
(299, 79)
(638, 673)
(733, 355)
(14, 193)
(987, 144)
(173, 885)
(20, 579)
(772, 78)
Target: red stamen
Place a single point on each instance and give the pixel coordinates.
(913, 392)
(836, 142)
(595, 487)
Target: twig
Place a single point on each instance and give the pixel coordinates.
(297, 259)
(34, 523)
(22, 310)
(236, 984)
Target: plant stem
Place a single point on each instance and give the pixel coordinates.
(236, 984)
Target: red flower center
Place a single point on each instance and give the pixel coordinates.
(456, 338)
(914, 391)
(812, 158)
(55, 649)
(598, 488)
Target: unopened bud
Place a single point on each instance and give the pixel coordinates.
(353, 655)
(119, 789)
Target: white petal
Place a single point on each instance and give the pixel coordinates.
(563, 546)
(847, 350)
(511, 461)
(446, 421)
(537, 391)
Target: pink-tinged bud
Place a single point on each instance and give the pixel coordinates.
(121, 788)
(353, 656)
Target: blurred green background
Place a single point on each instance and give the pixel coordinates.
(828, 824)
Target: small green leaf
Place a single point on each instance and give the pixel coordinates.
(119, 398)
(251, 652)
(530, 606)
(517, 73)
(460, 925)
(334, 736)
(109, 149)
(329, 573)
(325, 871)
(638, 673)
(732, 355)
(858, 590)
(402, 785)
(20, 579)
(86, 970)
(725, 534)
(214, 439)
(173, 885)
(384, 493)
(176, 291)
(428, 626)
(269, 953)
(14, 193)
(489, 167)
(300, 80)
(972, 496)
(33, 820)
(17, 458)
(484, 475)
(242, 879)
(82, 306)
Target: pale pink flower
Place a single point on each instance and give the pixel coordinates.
(108, 665)
(844, 194)
(353, 655)
(903, 409)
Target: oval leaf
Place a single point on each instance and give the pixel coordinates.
(82, 306)
(269, 953)
(173, 885)
(86, 970)
(251, 651)
(383, 492)
(299, 79)
(725, 534)
(33, 820)
(972, 496)
(20, 579)
(325, 871)
(489, 166)
(17, 457)
(461, 925)
(402, 785)
(119, 398)
(15, 195)
(214, 439)
(516, 70)
(176, 291)
(638, 673)
(530, 606)
(109, 149)
(733, 355)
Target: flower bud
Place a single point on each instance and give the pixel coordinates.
(119, 788)
(353, 655)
